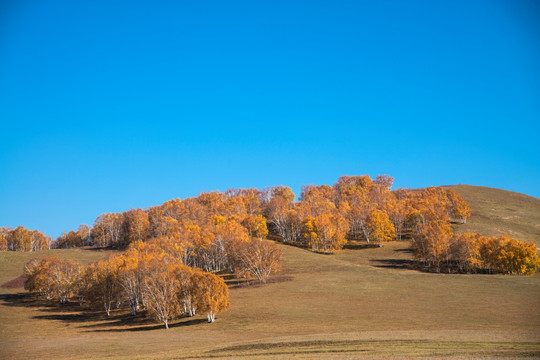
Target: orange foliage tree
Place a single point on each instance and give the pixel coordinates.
(53, 278)
(160, 289)
(108, 230)
(3, 239)
(258, 257)
(78, 238)
(431, 243)
(458, 208)
(380, 228)
(22, 239)
(103, 286)
(211, 294)
(136, 226)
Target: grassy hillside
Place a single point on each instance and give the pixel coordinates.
(496, 212)
(358, 303)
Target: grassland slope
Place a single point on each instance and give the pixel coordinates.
(357, 304)
(496, 212)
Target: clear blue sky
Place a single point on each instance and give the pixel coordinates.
(109, 105)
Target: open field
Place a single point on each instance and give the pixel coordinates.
(358, 303)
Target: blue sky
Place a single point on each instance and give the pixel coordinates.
(109, 105)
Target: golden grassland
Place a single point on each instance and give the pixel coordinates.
(364, 303)
(497, 212)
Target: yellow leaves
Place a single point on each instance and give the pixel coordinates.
(310, 231)
(256, 226)
(380, 228)
(218, 219)
(137, 225)
(457, 206)
(283, 192)
(22, 239)
(473, 252)
(211, 294)
(53, 278)
(325, 232)
(3, 240)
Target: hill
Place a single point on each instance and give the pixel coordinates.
(358, 303)
(496, 212)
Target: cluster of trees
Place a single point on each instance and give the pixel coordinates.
(226, 231)
(214, 232)
(357, 208)
(22, 239)
(217, 230)
(437, 248)
(144, 277)
(118, 230)
(78, 238)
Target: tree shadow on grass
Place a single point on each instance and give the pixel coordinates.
(31, 300)
(394, 264)
(400, 263)
(357, 246)
(74, 317)
(91, 319)
(22, 300)
(152, 325)
(406, 250)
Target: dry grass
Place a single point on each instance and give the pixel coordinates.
(358, 303)
(497, 212)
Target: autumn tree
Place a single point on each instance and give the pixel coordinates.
(397, 212)
(186, 291)
(359, 196)
(108, 230)
(283, 219)
(211, 293)
(258, 257)
(104, 288)
(518, 257)
(131, 274)
(356, 208)
(37, 277)
(384, 180)
(20, 239)
(226, 238)
(40, 241)
(465, 250)
(430, 204)
(508, 256)
(458, 208)
(3, 240)
(174, 209)
(53, 278)
(250, 198)
(197, 247)
(380, 228)
(346, 183)
(160, 289)
(316, 200)
(136, 226)
(78, 238)
(326, 232)
(431, 244)
(65, 276)
(256, 226)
